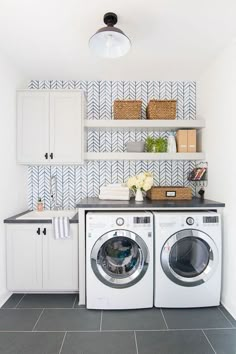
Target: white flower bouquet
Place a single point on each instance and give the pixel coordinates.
(141, 182)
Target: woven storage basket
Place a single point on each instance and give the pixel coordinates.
(165, 109)
(170, 193)
(127, 109)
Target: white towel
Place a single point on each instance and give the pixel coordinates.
(61, 227)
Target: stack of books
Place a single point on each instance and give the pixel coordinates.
(114, 192)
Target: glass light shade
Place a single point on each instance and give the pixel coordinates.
(109, 42)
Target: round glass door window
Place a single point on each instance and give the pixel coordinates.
(189, 257)
(119, 261)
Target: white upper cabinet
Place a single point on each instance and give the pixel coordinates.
(32, 127)
(66, 128)
(50, 126)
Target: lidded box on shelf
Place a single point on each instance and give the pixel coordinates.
(161, 109)
(127, 109)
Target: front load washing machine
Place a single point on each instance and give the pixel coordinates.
(119, 260)
(187, 259)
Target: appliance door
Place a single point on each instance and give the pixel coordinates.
(189, 257)
(120, 258)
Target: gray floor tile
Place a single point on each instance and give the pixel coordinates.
(18, 320)
(69, 320)
(195, 318)
(133, 320)
(12, 301)
(223, 340)
(228, 315)
(176, 342)
(48, 301)
(30, 343)
(99, 343)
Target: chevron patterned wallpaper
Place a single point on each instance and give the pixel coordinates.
(77, 182)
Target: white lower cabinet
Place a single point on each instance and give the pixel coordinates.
(38, 262)
(60, 261)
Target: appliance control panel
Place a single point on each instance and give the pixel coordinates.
(211, 219)
(142, 220)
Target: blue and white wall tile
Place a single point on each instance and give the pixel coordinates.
(77, 182)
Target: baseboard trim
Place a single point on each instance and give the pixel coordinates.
(229, 309)
(4, 297)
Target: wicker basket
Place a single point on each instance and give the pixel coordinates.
(170, 193)
(165, 109)
(127, 109)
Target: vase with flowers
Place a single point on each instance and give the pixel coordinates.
(139, 184)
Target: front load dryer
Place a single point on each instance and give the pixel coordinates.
(119, 260)
(187, 259)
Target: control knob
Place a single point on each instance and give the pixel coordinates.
(120, 221)
(190, 221)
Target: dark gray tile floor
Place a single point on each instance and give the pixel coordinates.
(48, 324)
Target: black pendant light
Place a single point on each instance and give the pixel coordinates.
(110, 41)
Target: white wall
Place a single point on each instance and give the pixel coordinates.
(217, 104)
(13, 178)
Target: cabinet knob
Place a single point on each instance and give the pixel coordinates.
(46, 156)
(45, 231)
(51, 156)
(38, 231)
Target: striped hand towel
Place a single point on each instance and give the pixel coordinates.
(61, 227)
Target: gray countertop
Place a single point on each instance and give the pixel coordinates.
(94, 203)
(14, 220)
(90, 203)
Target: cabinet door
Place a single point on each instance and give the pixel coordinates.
(24, 258)
(66, 123)
(32, 127)
(60, 261)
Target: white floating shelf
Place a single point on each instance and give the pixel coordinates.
(172, 124)
(143, 156)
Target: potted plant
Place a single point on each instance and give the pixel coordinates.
(156, 144)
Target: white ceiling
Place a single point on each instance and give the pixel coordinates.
(171, 40)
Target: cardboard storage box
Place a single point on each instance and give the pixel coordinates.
(182, 140)
(192, 140)
(186, 140)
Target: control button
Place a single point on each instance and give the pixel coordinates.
(190, 221)
(120, 221)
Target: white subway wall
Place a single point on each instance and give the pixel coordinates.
(13, 178)
(216, 101)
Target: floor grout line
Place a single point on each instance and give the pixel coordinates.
(74, 301)
(101, 320)
(164, 319)
(117, 330)
(37, 320)
(136, 343)
(20, 301)
(63, 340)
(225, 317)
(45, 308)
(209, 342)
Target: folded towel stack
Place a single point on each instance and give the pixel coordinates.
(114, 192)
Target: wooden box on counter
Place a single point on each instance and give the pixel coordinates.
(170, 193)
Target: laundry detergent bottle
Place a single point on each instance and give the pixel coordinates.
(171, 143)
